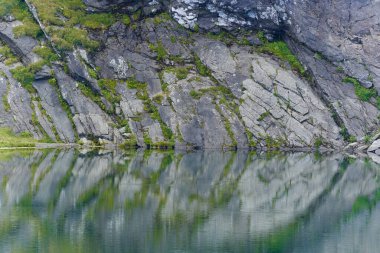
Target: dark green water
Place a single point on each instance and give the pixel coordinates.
(66, 201)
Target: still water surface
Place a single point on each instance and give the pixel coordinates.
(67, 201)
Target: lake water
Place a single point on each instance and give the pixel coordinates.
(144, 201)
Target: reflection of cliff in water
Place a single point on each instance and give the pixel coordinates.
(163, 202)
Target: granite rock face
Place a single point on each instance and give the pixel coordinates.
(173, 81)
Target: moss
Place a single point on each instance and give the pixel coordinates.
(6, 105)
(195, 94)
(10, 57)
(46, 54)
(129, 143)
(263, 116)
(65, 106)
(98, 21)
(318, 56)
(136, 15)
(34, 119)
(88, 92)
(201, 68)
(177, 59)
(108, 89)
(164, 87)
(88, 195)
(19, 10)
(158, 98)
(9, 139)
(196, 28)
(281, 50)
(161, 18)
(181, 73)
(134, 84)
(179, 134)
(244, 42)
(352, 139)
(318, 142)
(367, 139)
(340, 69)
(346, 135)
(67, 38)
(28, 28)
(361, 92)
(252, 143)
(223, 36)
(93, 73)
(261, 36)
(272, 143)
(149, 107)
(361, 203)
(227, 125)
(126, 20)
(160, 50)
(25, 75)
(147, 140)
(173, 39)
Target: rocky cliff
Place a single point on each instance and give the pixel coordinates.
(191, 73)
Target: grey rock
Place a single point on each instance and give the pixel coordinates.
(50, 102)
(44, 73)
(23, 46)
(374, 146)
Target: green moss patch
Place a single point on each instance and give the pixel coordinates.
(281, 50)
(361, 92)
(9, 139)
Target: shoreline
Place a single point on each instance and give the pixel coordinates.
(346, 149)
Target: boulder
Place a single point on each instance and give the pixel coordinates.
(374, 146)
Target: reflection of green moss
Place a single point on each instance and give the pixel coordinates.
(63, 182)
(88, 195)
(361, 203)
